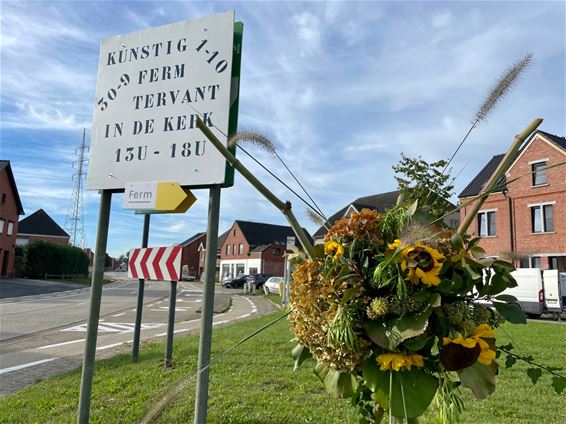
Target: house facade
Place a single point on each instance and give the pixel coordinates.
(526, 220)
(253, 247)
(190, 255)
(10, 210)
(40, 226)
(379, 202)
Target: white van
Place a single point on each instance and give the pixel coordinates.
(529, 291)
(539, 292)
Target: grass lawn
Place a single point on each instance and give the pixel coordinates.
(256, 384)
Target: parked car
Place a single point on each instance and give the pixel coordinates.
(258, 280)
(185, 275)
(235, 282)
(273, 285)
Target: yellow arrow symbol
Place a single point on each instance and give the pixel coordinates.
(169, 196)
(187, 203)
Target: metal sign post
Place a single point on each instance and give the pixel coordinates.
(94, 312)
(205, 341)
(170, 326)
(139, 308)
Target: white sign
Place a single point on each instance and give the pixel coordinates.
(151, 87)
(290, 242)
(140, 196)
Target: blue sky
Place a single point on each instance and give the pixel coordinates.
(341, 88)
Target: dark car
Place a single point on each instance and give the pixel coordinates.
(235, 283)
(258, 279)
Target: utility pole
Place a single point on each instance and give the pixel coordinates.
(74, 223)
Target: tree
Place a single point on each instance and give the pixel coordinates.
(426, 183)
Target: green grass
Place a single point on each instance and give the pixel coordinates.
(256, 384)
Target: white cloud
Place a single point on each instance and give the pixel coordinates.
(442, 19)
(308, 33)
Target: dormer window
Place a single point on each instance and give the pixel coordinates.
(540, 174)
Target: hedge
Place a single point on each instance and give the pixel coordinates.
(42, 257)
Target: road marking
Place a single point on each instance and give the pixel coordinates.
(61, 344)
(119, 315)
(29, 364)
(114, 327)
(110, 346)
(166, 309)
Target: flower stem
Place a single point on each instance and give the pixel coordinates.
(498, 173)
(528, 361)
(284, 207)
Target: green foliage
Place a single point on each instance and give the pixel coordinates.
(424, 182)
(480, 378)
(338, 384)
(407, 393)
(42, 257)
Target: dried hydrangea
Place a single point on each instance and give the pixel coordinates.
(357, 226)
(314, 303)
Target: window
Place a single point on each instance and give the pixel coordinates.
(253, 270)
(3, 198)
(234, 232)
(240, 269)
(540, 175)
(553, 262)
(531, 262)
(542, 218)
(276, 251)
(228, 249)
(234, 249)
(486, 223)
(225, 271)
(10, 228)
(1, 226)
(525, 263)
(241, 249)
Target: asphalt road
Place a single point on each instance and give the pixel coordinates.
(44, 334)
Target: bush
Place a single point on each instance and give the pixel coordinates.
(19, 261)
(42, 257)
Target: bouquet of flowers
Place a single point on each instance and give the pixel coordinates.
(389, 310)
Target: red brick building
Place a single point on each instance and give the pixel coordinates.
(527, 218)
(10, 209)
(190, 255)
(253, 247)
(40, 226)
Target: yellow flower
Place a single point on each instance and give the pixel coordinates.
(481, 332)
(394, 245)
(399, 361)
(334, 249)
(424, 263)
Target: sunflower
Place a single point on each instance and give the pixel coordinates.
(423, 262)
(399, 361)
(478, 341)
(333, 248)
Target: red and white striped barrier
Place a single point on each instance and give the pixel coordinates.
(156, 263)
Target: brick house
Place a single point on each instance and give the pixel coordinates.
(40, 226)
(190, 254)
(379, 202)
(525, 221)
(253, 247)
(10, 209)
(202, 255)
